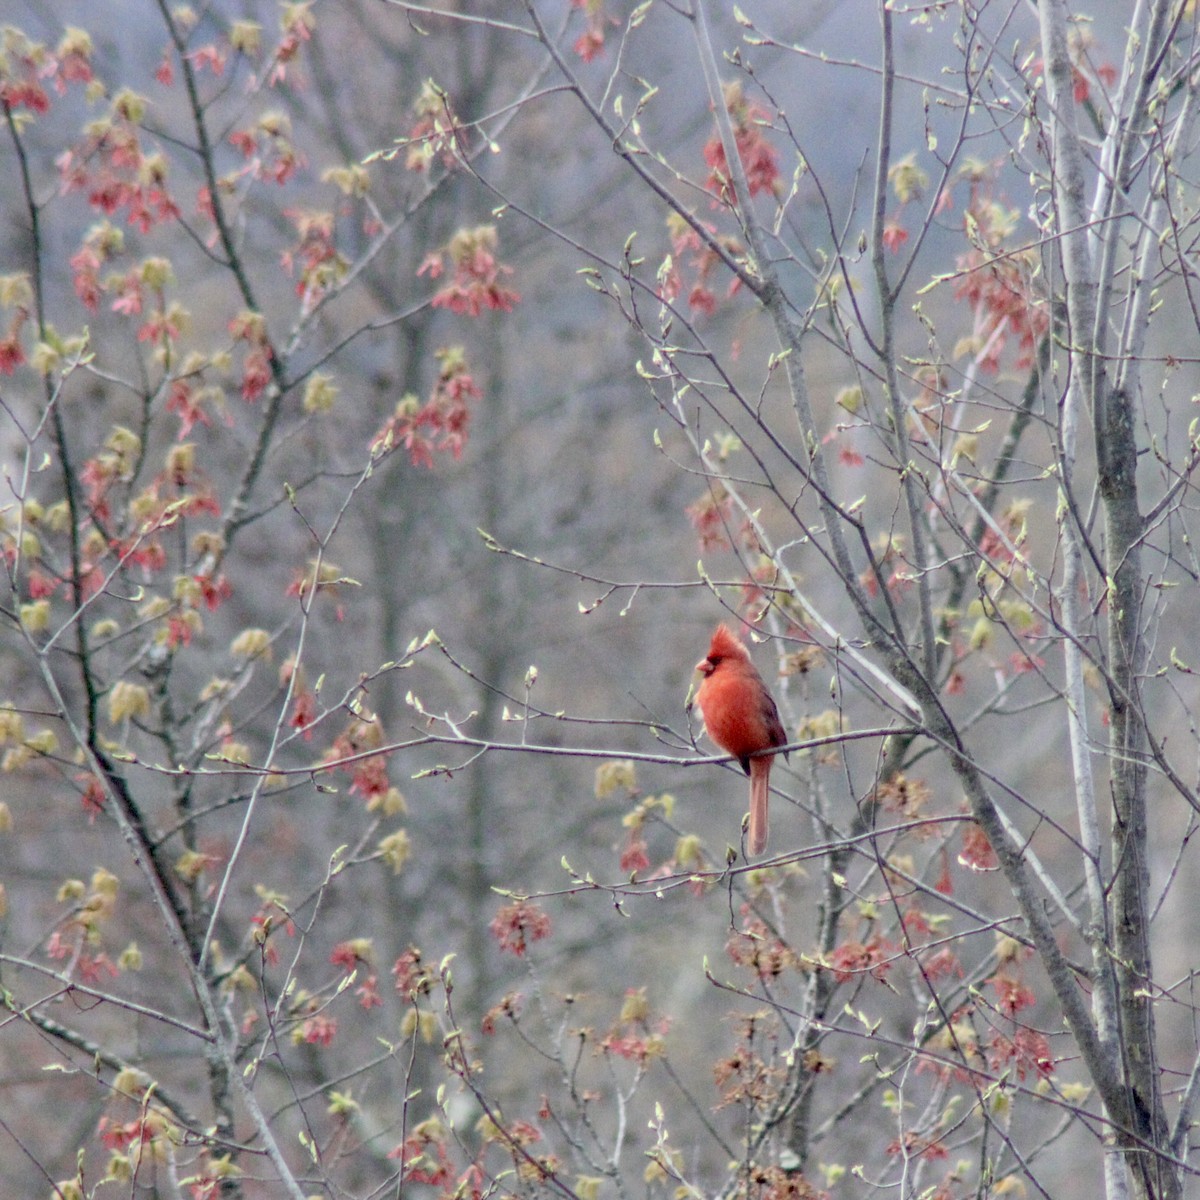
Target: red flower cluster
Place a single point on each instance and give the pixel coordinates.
(712, 517)
(518, 924)
(436, 133)
(319, 1030)
(112, 167)
(315, 260)
(410, 974)
(977, 852)
(1001, 286)
(26, 63)
(635, 856)
(590, 43)
(758, 948)
(1027, 1050)
(759, 159)
(268, 149)
(476, 284)
(251, 328)
(368, 776)
(853, 958)
(702, 259)
(423, 1159)
(440, 424)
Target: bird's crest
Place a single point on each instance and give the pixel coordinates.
(726, 644)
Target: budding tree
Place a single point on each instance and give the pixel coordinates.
(900, 309)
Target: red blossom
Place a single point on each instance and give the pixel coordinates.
(759, 159)
(915, 1145)
(211, 57)
(370, 778)
(160, 327)
(436, 131)
(712, 518)
(145, 552)
(214, 592)
(475, 285)
(73, 63)
(418, 1166)
(853, 958)
(915, 923)
(91, 576)
(944, 882)
(129, 296)
(92, 797)
(589, 44)
(295, 34)
(97, 476)
(319, 1030)
(11, 355)
(304, 713)
(24, 90)
(93, 968)
(346, 956)
(701, 299)
(440, 424)
(111, 166)
(245, 141)
(183, 399)
(203, 1187)
(409, 973)
(894, 235)
(1026, 1050)
(368, 993)
(369, 775)
(760, 950)
(942, 964)
(85, 274)
(701, 259)
(1021, 663)
(204, 204)
(510, 1006)
(1011, 994)
(628, 1046)
(433, 264)
(256, 373)
(179, 632)
(517, 924)
(1002, 288)
(634, 857)
(120, 1136)
(314, 259)
(977, 852)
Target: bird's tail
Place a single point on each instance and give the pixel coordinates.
(760, 792)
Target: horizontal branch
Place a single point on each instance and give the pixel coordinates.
(486, 746)
(73, 985)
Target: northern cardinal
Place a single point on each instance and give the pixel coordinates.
(741, 718)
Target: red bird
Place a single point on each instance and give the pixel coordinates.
(741, 718)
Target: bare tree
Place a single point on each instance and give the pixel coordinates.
(894, 315)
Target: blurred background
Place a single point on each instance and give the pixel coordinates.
(572, 458)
